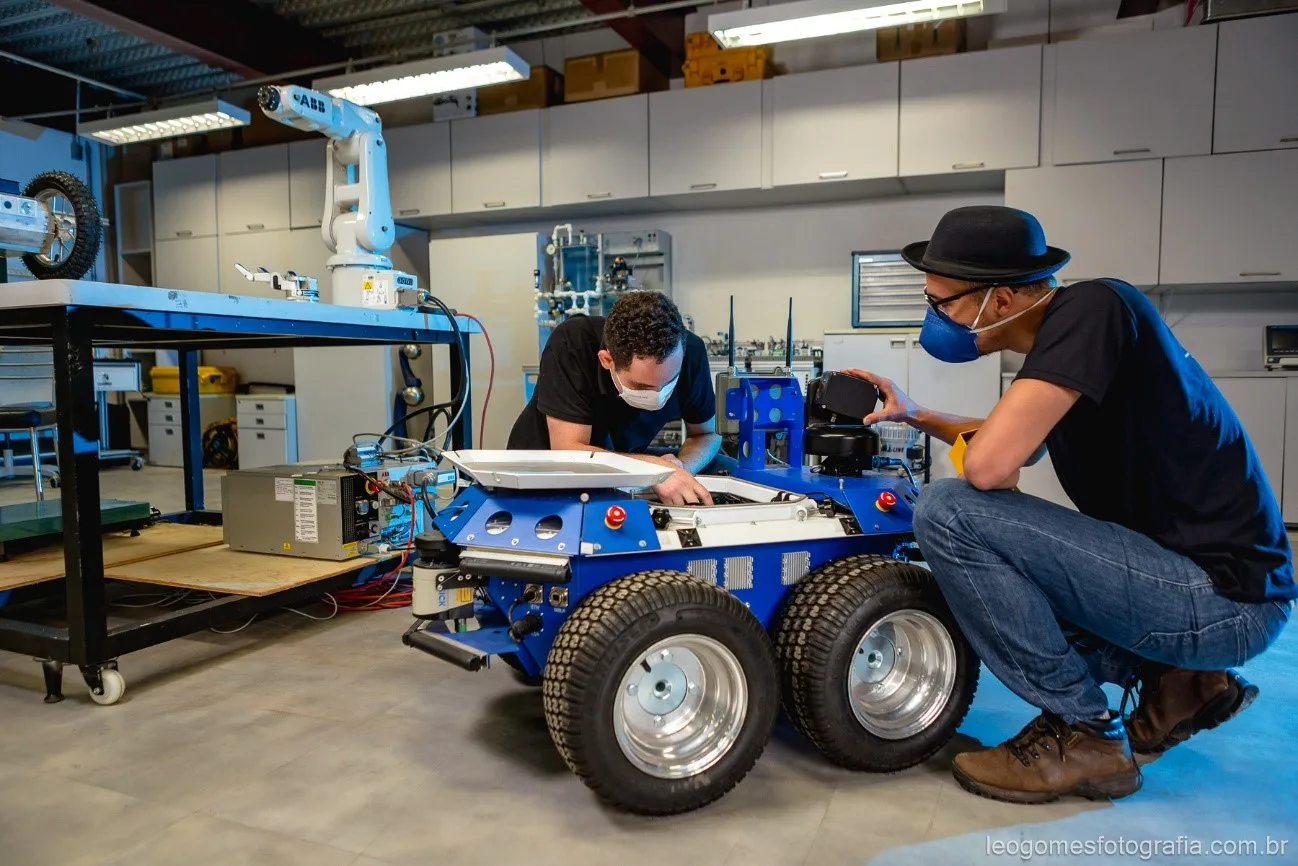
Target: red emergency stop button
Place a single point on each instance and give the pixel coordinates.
(615, 517)
(887, 499)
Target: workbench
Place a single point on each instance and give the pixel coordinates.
(75, 318)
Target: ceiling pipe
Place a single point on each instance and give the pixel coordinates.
(36, 64)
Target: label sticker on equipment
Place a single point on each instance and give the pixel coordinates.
(328, 492)
(306, 527)
(283, 489)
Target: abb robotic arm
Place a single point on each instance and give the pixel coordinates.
(357, 225)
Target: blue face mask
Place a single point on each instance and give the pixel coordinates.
(954, 343)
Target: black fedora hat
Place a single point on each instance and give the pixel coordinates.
(987, 243)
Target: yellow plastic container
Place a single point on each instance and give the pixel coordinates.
(211, 380)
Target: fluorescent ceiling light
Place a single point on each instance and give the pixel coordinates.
(808, 19)
(187, 119)
(426, 77)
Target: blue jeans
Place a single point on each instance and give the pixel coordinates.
(1055, 602)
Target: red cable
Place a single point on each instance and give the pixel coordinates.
(491, 378)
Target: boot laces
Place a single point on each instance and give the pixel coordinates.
(1134, 687)
(1046, 732)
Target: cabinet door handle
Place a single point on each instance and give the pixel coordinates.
(1289, 139)
(1130, 150)
(832, 175)
(962, 166)
(897, 342)
(259, 406)
(493, 204)
(172, 419)
(703, 186)
(170, 432)
(260, 421)
(256, 227)
(261, 435)
(593, 195)
(186, 233)
(1259, 273)
(410, 211)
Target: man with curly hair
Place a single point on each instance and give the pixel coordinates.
(611, 384)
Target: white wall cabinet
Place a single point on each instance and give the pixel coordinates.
(254, 250)
(1106, 215)
(496, 162)
(184, 197)
(705, 139)
(1140, 96)
(1230, 218)
(1260, 404)
(596, 151)
(1257, 79)
(838, 124)
(971, 112)
(267, 429)
(306, 183)
(188, 264)
(963, 389)
(419, 170)
(254, 189)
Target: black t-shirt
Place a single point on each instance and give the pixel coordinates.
(1153, 445)
(573, 386)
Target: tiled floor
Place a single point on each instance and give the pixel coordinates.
(329, 743)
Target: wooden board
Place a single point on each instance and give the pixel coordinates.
(120, 548)
(220, 569)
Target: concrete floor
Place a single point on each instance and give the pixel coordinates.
(325, 743)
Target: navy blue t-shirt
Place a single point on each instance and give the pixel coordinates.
(573, 386)
(1153, 445)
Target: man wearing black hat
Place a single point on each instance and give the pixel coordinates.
(1175, 566)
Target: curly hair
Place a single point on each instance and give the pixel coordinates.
(643, 325)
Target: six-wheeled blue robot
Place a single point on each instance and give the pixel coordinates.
(666, 638)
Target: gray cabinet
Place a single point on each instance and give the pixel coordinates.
(306, 183)
(1257, 84)
(1259, 401)
(1289, 482)
(166, 432)
(705, 139)
(1139, 96)
(496, 162)
(1230, 218)
(597, 151)
(267, 430)
(254, 189)
(971, 112)
(184, 198)
(838, 124)
(189, 264)
(419, 170)
(1107, 215)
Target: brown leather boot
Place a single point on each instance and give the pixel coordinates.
(1175, 704)
(1049, 759)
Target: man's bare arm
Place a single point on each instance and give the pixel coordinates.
(1013, 433)
(702, 442)
(680, 489)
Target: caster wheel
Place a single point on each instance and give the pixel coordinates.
(137, 463)
(114, 687)
(55, 481)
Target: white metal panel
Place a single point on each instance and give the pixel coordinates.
(837, 124)
(253, 189)
(1257, 79)
(306, 182)
(979, 111)
(705, 139)
(884, 354)
(496, 162)
(597, 150)
(1141, 96)
(1260, 405)
(189, 264)
(184, 197)
(419, 170)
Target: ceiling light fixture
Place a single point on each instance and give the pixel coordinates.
(187, 119)
(427, 77)
(809, 19)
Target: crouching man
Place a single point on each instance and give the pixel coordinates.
(1176, 565)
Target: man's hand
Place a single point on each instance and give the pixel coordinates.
(897, 406)
(682, 488)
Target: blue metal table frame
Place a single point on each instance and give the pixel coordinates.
(79, 318)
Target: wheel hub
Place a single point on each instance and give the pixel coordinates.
(64, 224)
(680, 706)
(902, 674)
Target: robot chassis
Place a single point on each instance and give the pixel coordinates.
(667, 638)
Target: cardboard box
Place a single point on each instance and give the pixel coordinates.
(613, 73)
(920, 40)
(543, 89)
(699, 44)
(730, 65)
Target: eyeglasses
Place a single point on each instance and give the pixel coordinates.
(938, 303)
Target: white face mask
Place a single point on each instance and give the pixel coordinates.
(646, 401)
